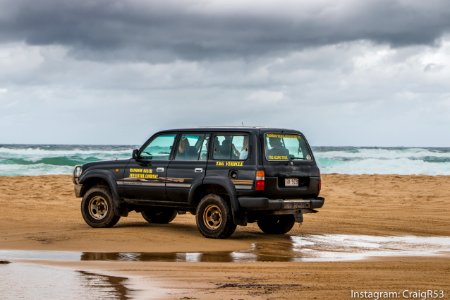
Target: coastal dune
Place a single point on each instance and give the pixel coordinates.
(42, 213)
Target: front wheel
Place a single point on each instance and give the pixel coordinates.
(97, 208)
(159, 216)
(214, 219)
(278, 224)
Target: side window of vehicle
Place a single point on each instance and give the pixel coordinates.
(192, 147)
(231, 147)
(159, 148)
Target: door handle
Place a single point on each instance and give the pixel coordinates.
(198, 170)
(159, 170)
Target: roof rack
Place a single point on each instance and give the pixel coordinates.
(233, 126)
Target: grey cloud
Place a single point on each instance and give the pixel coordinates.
(193, 30)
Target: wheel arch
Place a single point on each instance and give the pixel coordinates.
(104, 178)
(220, 186)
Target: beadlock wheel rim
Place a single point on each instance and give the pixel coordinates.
(98, 207)
(212, 217)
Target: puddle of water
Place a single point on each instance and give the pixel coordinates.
(24, 281)
(301, 248)
(328, 247)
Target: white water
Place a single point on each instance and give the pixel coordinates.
(403, 161)
(340, 247)
(60, 159)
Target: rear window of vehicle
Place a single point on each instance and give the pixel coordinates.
(280, 146)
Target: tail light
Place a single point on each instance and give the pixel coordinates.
(320, 184)
(260, 180)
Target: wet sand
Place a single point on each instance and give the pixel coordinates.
(41, 213)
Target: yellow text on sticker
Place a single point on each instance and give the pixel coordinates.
(143, 176)
(281, 136)
(278, 157)
(138, 170)
(229, 163)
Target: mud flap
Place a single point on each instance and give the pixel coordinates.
(299, 217)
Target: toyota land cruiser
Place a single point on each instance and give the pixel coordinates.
(224, 176)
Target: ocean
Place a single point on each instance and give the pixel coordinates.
(60, 159)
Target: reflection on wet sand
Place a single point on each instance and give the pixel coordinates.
(300, 248)
(110, 287)
(327, 247)
(217, 256)
(156, 256)
(26, 281)
(281, 250)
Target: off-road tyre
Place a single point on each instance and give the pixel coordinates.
(214, 218)
(97, 208)
(276, 224)
(159, 215)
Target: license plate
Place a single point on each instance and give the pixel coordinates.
(291, 182)
(296, 205)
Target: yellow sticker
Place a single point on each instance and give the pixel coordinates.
(143, 176)
(229, 163)
(140, 170)
(281, 136)
(278, 157)
(141, 173)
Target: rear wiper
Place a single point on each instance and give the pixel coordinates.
(292, 157)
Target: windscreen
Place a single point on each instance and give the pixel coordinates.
(280, 146)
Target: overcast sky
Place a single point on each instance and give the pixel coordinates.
(345, 72)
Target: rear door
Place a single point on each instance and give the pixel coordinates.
(188, 165)
(145, 176)
(232, 157)
(290, 169)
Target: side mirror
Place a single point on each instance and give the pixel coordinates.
(135, 154)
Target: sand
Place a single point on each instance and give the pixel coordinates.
(42, 213)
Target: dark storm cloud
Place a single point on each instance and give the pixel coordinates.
(160, 30)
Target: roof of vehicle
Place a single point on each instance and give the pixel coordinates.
(232, 128)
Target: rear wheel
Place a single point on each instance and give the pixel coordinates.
(278, 224)
(214, 219)
(159, 215)
(97, 208)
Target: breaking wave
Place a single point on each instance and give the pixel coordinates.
(60, 159)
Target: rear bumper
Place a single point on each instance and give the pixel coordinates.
(260, 203)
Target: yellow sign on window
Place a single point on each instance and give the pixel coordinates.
(282, 136)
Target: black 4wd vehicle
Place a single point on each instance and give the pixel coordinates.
(224, 176)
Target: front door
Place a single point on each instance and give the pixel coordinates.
(188, 166)
(145, 176)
